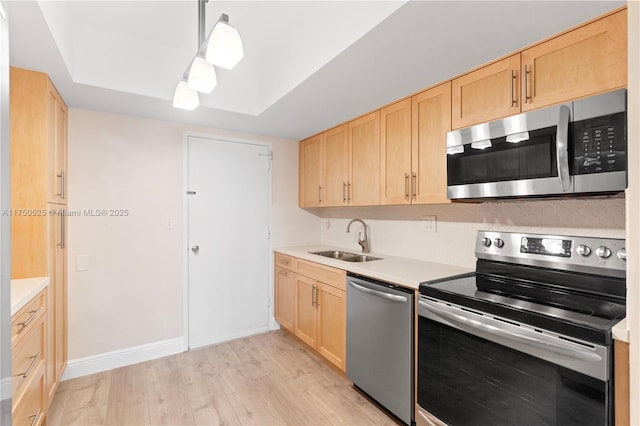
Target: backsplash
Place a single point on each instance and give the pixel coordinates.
(400, 230)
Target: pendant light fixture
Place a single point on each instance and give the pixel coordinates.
(223, 48)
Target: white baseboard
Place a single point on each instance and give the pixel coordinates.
(203, 343)
(121, 358)
(5, 388)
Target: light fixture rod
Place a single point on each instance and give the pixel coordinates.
(202, 27)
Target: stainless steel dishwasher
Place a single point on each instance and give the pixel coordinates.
(380, 343)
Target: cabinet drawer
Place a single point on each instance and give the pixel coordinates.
(29, 407)
(325, 274)
(25, 318)
(286, 262)
(28, 356)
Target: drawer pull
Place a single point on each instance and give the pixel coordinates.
(284, 261)
(23, 325)
(34, 417)
(34, 359)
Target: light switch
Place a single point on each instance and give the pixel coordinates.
(82, 262)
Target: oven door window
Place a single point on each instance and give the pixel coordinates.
(505, 161)
(466, 380)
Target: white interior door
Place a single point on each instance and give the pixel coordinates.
(228, 239)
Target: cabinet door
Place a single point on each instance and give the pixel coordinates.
(336, 165)
(285, 298)
(430, 123)
(486, 94)
(395, 153)
(306, 314)
(311, 172)
(332, 325)
(56, 354)
(585, 61)
(364, 153)
(57, 147)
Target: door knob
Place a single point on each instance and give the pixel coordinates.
(195, 249)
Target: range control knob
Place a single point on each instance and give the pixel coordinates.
(498, 242)
(486, 242)
(603, 252)
(584, 250)
(622, 254)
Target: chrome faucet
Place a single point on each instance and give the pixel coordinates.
(364, 242)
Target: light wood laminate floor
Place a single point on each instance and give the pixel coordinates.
(268, 379)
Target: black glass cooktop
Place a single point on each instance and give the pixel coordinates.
(572, 305)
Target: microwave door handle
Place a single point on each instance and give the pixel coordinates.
(562, 148)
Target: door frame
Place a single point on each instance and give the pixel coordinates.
(273, 325)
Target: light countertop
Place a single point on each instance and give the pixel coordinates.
(621, 331)
(23, 290)
(397, 270)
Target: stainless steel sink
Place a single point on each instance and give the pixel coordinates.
(345, 255)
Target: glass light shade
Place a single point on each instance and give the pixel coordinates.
(481, 144)
(225, 47)
(185, 98)
(202, 76)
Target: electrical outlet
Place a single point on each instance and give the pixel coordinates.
(429, 224)
(169, 222)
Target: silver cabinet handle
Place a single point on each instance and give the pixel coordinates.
(319, 194)
(526, 84)
(195, 249)
(406, 186)
(348, 191)
(458, 320)
(317, 296)
(34, 359)
(63, 231)
(313, 296)
(63, 191)
(562, 153)
(414, 185)
(377, 293)
(283, 272)
(34, 417)
(513, 82)
(344, 192)
(23, 325)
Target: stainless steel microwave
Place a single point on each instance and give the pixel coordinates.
(575, 148)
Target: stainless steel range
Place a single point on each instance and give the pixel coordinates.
(526, 339)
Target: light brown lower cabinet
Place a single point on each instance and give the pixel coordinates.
(310, 302)
(621, 377)
(28, 364)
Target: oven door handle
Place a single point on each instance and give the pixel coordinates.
(562, 148)
(382, 294)
(472, 325)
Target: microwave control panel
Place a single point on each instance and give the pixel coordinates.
(600, 144)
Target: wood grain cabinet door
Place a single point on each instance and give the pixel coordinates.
(285, 298)
(332, 324)
(311, 179)
(336, 166)
(57, 147)
(430, 123)
(395, 153)
(586, 61)
(364, 153)
(486, 94)
(306, 315)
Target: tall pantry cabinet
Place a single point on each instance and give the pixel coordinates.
(39, 202)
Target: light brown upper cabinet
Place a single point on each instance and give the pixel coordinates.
(363, 188)
(336, 158)
(311, 172)
(431, 120)
(57, 140)
(487, 93)
(413, 150)
(588, 60)
(395, 153)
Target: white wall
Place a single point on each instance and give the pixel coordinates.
(132, 293)
(457, 225)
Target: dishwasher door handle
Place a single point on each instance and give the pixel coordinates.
(378, 293)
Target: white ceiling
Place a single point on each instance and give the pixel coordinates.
(308, 65)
